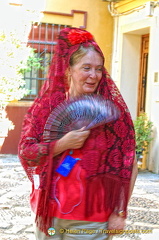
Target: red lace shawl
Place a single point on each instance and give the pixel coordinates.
(108, 153)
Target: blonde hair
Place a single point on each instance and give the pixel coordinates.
(81, 52)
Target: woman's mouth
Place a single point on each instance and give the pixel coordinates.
(90, 84)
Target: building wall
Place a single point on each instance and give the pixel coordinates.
(127, 5)
(130, 70)
(99, 21)
(15, 113)
(125, 67)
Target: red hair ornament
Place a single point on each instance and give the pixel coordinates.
(77, 37)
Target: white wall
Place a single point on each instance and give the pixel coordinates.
(129, 75)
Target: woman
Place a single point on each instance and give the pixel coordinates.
(95, 194)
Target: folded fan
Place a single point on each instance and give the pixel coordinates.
(87, 111)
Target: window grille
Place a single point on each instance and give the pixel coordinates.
(43, 38)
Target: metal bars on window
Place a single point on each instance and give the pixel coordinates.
(42, 38)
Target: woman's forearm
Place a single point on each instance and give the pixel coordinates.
(133, 177)
(60, 146)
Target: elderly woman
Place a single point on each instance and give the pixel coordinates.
(94, 196)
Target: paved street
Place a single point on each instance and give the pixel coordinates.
(15, 216)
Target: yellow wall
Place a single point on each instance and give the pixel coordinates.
(127, 5)
(99, 20)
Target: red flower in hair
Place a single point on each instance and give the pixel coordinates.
(77, 36)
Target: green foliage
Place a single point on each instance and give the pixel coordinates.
(15, 59)
(32, 62)
(143, 131)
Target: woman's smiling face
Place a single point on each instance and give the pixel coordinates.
(86, 74)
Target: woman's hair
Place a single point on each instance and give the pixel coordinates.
(81, 52)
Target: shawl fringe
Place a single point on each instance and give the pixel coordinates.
(113, 198)
(43, 218)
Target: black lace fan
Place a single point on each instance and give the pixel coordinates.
(88, 111)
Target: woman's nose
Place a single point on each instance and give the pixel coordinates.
(93, 73)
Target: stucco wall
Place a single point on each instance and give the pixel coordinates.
(127, 5)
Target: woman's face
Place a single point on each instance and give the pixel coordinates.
(86, 74)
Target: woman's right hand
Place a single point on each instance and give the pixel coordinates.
(75, 139)
(71, 140)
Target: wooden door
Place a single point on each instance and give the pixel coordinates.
(143, 73)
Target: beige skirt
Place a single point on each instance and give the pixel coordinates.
(74, 230)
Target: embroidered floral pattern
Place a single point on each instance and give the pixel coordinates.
(125, 173)
(120, 129)
(128, 148)
(110, 139)
(115, 158)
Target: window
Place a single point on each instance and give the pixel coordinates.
(43, 38)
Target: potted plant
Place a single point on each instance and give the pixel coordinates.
(143, 133)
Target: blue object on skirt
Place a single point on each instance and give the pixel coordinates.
(67, 165)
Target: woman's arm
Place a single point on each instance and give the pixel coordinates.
(133, 177)
(34, 151)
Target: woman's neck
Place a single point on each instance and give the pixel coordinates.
(73, 93)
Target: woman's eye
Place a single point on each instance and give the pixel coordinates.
(99, 69)
(86, 68)
(89, 68)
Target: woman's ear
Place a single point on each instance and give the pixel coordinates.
(69, 71)
(68, 76)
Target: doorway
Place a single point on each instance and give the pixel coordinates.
(143, 74)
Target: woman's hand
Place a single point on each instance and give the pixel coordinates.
(75, 139)
(72, 140)
(116, 222)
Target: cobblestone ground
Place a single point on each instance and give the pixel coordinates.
(15, 215)
(143, 210)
